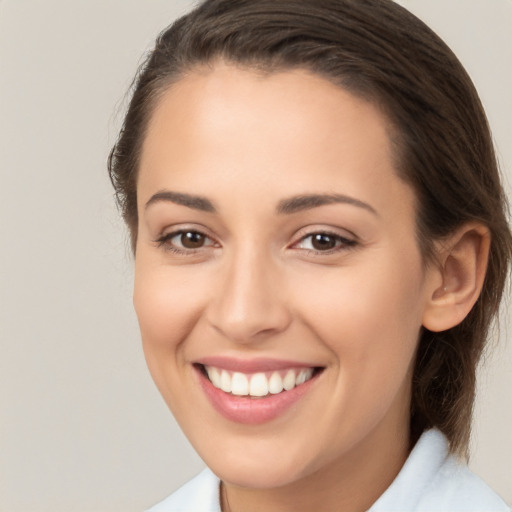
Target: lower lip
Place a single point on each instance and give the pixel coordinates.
(252, 411)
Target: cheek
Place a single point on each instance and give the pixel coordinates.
(167, 306)
(167, 309)
(369, 318)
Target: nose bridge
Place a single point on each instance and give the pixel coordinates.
(249, 303)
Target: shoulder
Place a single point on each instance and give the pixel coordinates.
(199, 494)
(432, 480)
(457, 486)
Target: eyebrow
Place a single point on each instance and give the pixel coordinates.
(188, 200)
(309, 201)
(286, 206)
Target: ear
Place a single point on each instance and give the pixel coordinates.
(462, 262)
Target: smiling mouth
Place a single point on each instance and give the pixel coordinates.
(258, 384)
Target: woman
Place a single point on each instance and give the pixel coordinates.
(320, 246)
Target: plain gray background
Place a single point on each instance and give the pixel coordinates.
(82, 428)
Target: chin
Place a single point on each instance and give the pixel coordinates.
(259, 475)
(266, 464)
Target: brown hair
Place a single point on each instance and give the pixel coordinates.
(379, 51)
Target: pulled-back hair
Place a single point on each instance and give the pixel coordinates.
(380, 52)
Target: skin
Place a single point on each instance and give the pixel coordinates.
(245, 143)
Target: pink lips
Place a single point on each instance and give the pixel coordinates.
(249, 410)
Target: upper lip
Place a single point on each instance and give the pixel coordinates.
(253, 365)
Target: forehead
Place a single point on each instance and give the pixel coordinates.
(234, 90)
(290, 128)
(215, 96)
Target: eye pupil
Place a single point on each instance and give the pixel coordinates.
(192, 240)
(322, 242)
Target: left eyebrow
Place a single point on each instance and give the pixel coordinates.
(188, 200)
(309, 201)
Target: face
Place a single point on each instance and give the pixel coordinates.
(279, 286)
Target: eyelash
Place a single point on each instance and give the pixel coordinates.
(342, 243)
(165, 242)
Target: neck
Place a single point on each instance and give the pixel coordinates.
(352, 483)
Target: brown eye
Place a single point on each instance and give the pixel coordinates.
(185, 242)
(323, 242)
(192, 240)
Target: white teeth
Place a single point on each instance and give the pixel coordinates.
(239, 384)
(289, 380)
(225, 382)
(275, 383)
(303, 376)
(257, 384)
(214, 376)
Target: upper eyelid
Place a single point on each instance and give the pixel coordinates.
(314, 230)
(343, 240)
(172, 234)
(165, 237)
(184, 228)
(346, 241)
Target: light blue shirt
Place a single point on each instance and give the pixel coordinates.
(431, 480)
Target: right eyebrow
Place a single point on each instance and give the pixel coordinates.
(310, 201)
(188, 200)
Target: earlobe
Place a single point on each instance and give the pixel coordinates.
(462, 263)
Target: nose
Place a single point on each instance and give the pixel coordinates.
(250, 304)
